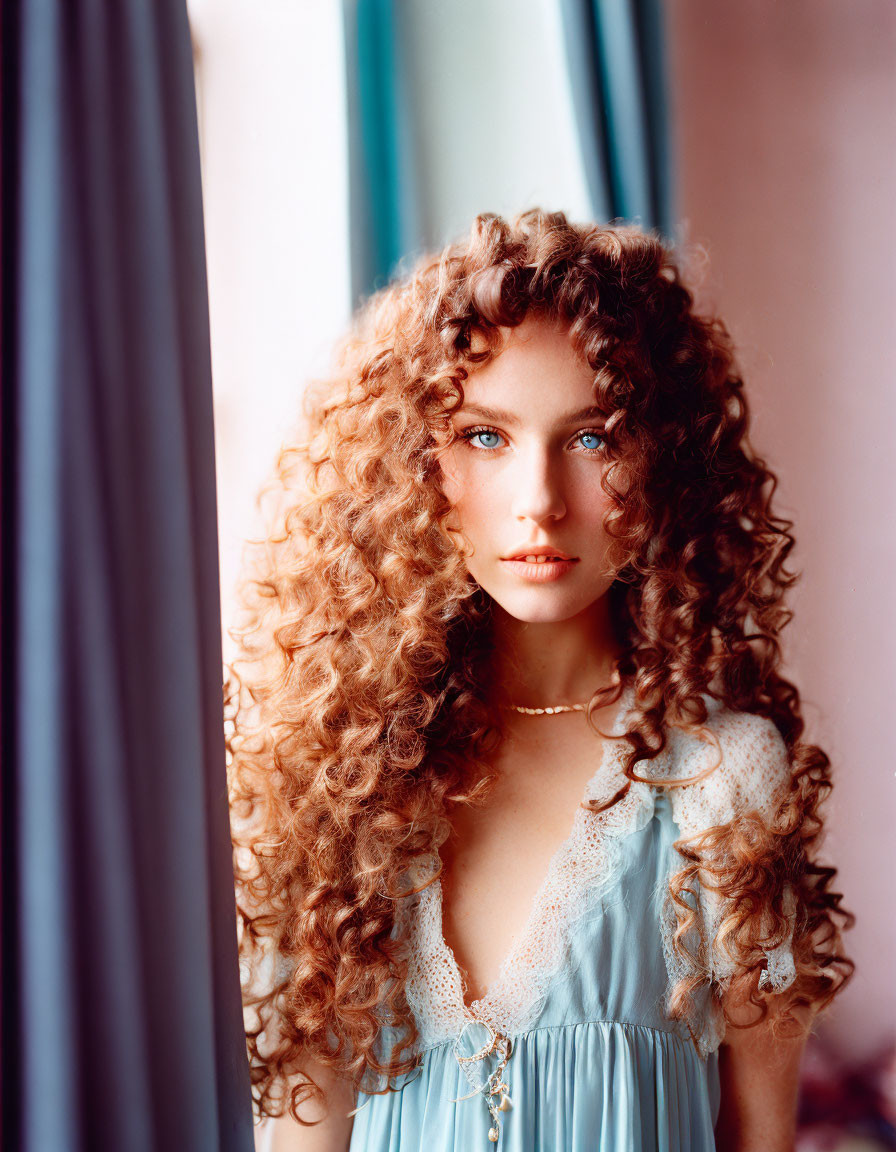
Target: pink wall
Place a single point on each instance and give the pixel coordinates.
(785, 122)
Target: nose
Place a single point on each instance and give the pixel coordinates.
(537, 489)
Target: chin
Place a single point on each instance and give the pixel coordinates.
(538, 609)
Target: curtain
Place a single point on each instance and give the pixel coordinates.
(616, 60)
(121, 1015)
(384, 202)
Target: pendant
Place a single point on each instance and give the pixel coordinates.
(494, 1085)
(505, 1103)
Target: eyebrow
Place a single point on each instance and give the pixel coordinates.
(590, 413)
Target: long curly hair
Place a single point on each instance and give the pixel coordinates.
(359, 711)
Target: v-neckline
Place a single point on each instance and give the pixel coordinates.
(487, 1005)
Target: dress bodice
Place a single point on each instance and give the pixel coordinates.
(581, 999)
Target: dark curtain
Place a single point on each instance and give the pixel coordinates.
(615, 51)
(121, 1017)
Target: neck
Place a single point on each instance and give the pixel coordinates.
(556, 662)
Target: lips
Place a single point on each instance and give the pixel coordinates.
(539, 553)
(540, 568)
(541, 559)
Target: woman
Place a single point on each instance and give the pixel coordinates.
(526, 555)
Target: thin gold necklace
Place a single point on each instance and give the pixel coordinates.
(548, 711)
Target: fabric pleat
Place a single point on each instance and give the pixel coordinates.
(121, 1016)
(615, 52)
(606, 1085)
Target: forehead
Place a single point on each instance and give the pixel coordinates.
(535, 356)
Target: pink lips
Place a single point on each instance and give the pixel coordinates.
(525, 550)
(540, 572)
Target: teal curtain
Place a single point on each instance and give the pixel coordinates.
(615, 53)
(120, 1011)
(616, 57)
(384, 203)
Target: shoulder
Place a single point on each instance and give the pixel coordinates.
(741, 764)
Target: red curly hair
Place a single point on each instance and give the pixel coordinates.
(362, 713)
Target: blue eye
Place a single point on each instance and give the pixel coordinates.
(594, 436)
(472, 433)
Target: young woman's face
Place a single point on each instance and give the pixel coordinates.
(526, 477)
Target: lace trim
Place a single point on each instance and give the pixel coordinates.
(753, 776)
(580, 874)
(586, 866)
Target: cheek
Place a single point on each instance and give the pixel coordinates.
(452, 478)
(457, 493)
(471, 495)
(472, 510)
(589, 504)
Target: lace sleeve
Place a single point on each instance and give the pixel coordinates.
(752, 778)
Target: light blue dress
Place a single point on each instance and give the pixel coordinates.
(579, 1008)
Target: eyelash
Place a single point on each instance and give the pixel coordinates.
(469, 433)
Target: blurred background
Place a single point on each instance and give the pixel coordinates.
(194, 196)
(340, 139)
